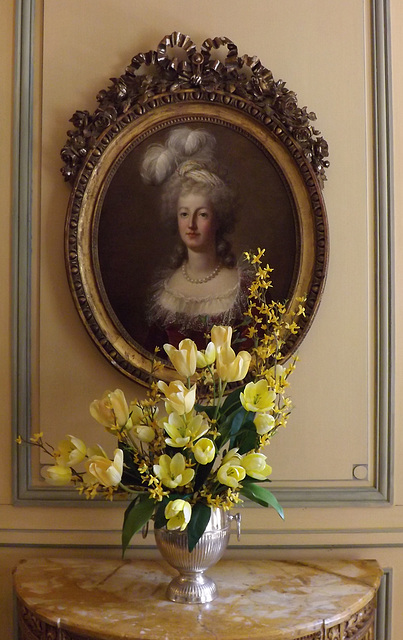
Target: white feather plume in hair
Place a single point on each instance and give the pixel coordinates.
(198, 173)
(158, 164)
(185, 143)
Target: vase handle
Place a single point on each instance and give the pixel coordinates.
(237, 517)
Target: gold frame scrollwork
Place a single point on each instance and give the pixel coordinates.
(176, 84)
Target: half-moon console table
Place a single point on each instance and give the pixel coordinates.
(75, 599)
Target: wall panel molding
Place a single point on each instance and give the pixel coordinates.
(22, 234)
(25, 491)
(383, 177)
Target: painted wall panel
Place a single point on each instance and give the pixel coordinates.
(76, 66)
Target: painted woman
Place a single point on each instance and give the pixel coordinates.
(202, 285)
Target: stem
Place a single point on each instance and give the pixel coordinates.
(214, 386)
(221, 389)
(129, 441)
(128, 490)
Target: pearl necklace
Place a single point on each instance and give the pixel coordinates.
(200, 280)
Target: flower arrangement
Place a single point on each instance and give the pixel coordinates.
(191, 445)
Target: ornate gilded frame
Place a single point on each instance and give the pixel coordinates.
(176, 84)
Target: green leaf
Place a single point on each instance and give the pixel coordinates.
(262, 496)
(159, 518)
(201, 474)
(200, 516)
(131, 474)
(230, 426)
(208, 410)
(246, 439)
(136, 515)
(232, 401)
(238, 418)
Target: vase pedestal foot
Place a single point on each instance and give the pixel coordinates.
(192, 588)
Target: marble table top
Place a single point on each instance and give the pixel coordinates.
(268, 599)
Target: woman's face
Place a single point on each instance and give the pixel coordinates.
(196, 221)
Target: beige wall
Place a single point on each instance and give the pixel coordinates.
(320, 47)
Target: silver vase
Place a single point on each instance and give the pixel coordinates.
(192, 586)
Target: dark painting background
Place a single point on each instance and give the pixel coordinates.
(131, 245)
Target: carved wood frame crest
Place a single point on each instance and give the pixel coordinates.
(177, 84)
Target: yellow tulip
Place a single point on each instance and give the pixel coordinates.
(144, 433)
(180, 398)
(112, 410)
(173, 471)
(231, 474)
(184, 430)
(264, 422)
(232, 456)
(107, 472)
(96, 450)
(255, 465)
(257, 396)
(232, 367)
(221, 336)
(71, 451)
(204, 450)
(58, 476)
(136, 414)
(178, 513)
(184, 358)
(207, 357)
(139, 423)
